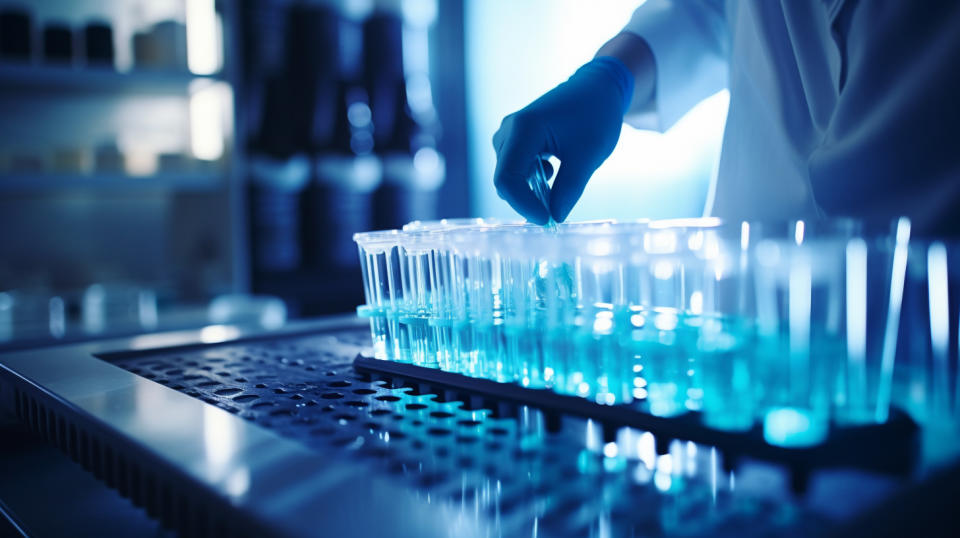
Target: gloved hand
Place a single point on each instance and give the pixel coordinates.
(578, 122)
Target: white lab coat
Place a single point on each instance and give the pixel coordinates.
(837, 107)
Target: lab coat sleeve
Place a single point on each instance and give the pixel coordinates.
(689, 41)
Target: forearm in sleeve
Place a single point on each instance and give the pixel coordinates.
(688, 40)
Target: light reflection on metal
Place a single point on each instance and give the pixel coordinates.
(213, 334)
(221, 440)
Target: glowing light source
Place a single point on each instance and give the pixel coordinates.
(696, 302)
(646, 450)
(208, 101)
(792, 427)
(665, 321)
(203, 37)
(663, 270)
(602, 324)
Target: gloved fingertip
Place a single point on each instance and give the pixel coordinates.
(540, 218)
(558, 210)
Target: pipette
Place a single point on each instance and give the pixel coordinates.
(541, 189)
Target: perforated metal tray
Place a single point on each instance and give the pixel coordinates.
(279, 433)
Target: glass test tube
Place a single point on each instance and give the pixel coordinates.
(927, 369)
(735, 320)
(725, 371)
(824, 314)
(423, 281)
(379, 264)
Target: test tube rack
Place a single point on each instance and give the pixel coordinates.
(855, 447)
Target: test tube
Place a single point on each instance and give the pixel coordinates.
(927, 370)
(666, 279)
(555, 286)
(464, 299)
(725, 369)
(423, 288)
(449, 321)
(462, 348)
(478, 271)
(442, 286)
(379, 264)
(524, 304)
(827, 300)
(875, 276)
(797, 382)
(601, 303)
(585, 284)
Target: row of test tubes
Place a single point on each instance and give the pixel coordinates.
(793, 325)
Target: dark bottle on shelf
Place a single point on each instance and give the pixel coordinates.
(279, 172)
(345, 176)
(263, 27)
(346, 171)
(16, 34)
(290, 57)
(312, 68)
(162, 46)
(58, 44)
(406, 129)
(98, 44)
(276, 185)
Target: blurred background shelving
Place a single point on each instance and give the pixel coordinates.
(119, 169)
(196, 148)
(51, 181)
(59, 79)
(190, 150)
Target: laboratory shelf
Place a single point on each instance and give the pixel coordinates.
(46, 182)
(20, 78)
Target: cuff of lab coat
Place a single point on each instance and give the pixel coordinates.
(688, 41)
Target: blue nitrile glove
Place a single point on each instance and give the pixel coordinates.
(578, 122)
